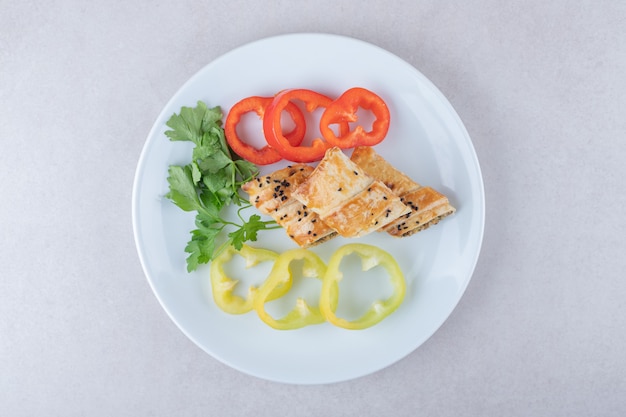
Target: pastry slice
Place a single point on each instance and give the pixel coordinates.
(346, 198)
(302, 225)
(369, 210)
(376, 166)
(427, 206)
(271, 195)
(334, 180)
(272, 191)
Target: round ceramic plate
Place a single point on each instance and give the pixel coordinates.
(426, 140)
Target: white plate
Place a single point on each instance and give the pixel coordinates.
(427, 140)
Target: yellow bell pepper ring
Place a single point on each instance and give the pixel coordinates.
(302, 314)
(371, 256)
(223, 286)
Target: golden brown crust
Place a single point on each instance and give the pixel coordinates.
(346, 198)
(301, 224)
(424, 198)
(334, 180)
(376, 166)
(367, 211)
(272, 191)
(427, 206)
(426, 225)
(271, 195)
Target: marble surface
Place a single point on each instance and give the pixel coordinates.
(541, 89)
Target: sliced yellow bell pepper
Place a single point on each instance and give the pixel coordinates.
(223, 286)
(371, 256)
(302, 314)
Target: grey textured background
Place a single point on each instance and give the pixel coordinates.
(541, 87)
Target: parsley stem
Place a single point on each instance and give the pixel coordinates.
(221, 248)
(239, 213)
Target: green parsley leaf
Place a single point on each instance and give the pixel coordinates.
(248, 231)
(196, 175)
(216, 183)
(214, 162)
(182, 188)
(212, 117)
(246, 168)
(188, 125)
(209, 183)
(201, 247)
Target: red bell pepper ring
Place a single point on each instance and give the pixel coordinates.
(266, 155)
(273, 129)
(344, 110)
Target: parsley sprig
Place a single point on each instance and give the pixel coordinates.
(210, 183)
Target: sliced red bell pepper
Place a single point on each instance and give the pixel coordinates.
(273, 129)
(371, 256)
(266, 155)
(344, 110)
